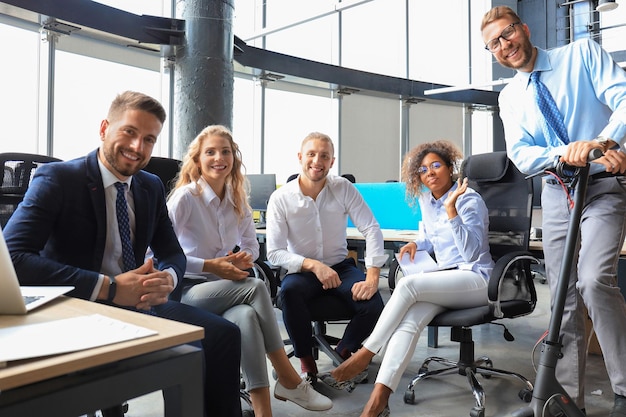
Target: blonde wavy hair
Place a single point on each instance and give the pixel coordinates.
(446, 150)
(190, 172)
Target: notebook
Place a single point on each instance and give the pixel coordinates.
(20, 300)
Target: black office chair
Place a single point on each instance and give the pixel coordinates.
(18, 170)
(349, 177)
(508, 196)
(166, 169)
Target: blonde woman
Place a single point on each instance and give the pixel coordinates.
(211, 216)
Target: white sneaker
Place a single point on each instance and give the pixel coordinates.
(304, 395)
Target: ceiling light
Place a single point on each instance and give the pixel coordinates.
(606, 5)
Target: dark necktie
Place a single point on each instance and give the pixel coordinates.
(121, 210)
(553, 120)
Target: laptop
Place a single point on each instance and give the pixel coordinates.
(20, 300)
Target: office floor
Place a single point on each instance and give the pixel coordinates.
(446, 396)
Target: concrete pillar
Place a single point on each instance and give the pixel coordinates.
(203, 71)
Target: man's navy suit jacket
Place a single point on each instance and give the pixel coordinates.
(57, 235)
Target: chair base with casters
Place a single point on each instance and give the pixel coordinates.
(325, 309)
(467, 365)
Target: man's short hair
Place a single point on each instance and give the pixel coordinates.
(497, 13)
(320, 136)
(136, 101)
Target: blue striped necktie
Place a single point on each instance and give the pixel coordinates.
(121, 210)
(553, 119)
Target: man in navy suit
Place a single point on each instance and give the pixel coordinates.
(65, 232)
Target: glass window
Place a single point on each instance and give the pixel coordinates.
(289, 117)
(613, 29)
(370, 132)
(84, 89)
(374, 37)
(19, 129)
(246, 123)
(429, 122)
(439, 54)
(482, 132)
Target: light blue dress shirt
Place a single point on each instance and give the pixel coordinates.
(589, 89)
(463, 240)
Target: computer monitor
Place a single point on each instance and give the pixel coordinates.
(261, 187)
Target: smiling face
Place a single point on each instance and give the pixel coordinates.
(438, 180)
(316, 158)
(128, 140)
(518, 52)
(216, 160)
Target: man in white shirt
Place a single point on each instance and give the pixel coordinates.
(306, 235)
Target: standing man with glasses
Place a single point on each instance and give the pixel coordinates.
(560, 105)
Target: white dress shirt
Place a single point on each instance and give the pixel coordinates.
(299, 227)
(208, 227)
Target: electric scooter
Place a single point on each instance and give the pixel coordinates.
(549, 399)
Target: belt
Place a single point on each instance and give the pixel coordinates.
(593, 177)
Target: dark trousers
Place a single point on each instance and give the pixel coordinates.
(221, 347)
(296, 290)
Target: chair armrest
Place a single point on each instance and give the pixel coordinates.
(511, 279)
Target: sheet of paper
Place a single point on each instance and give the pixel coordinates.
(66, 335)
(422, 262)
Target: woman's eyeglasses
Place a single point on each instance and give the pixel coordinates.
(424, 169)
(493, 45)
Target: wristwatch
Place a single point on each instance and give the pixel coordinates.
(112, 288)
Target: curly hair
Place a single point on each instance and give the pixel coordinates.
(446, 150)
(190, 172)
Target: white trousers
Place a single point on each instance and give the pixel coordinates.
(415, 301)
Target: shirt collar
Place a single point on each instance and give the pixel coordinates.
(441, 199)
(208, 195)
(542, 63)
(108, 178)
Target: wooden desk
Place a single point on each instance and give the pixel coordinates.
(81, 382)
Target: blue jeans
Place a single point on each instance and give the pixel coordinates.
(296, 290)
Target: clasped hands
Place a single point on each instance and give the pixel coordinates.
(233, 266)
(143, 287)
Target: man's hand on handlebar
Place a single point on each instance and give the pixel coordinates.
(577, 154)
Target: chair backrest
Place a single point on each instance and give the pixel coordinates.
(18, 170)
(166, 169)
(508, 196)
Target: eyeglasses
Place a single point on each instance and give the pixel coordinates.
(493, 45)
(424, 169)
